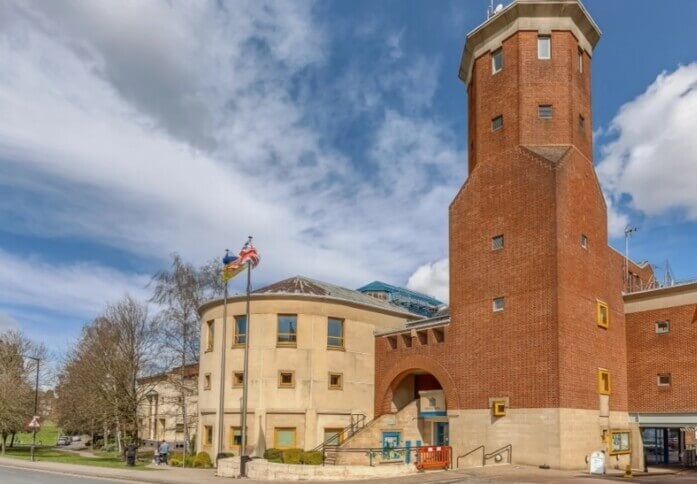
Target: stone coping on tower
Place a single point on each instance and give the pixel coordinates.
(542, 16)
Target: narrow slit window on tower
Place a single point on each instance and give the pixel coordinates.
(662, 327)
(498, 304)
(497, 242)
(581, 121)
(497, 123)
(584, 241)
(604, 383)
(544, 47)
(544, 111)
(580, 60)
(496, 60)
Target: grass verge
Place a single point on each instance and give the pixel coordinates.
(111, 460)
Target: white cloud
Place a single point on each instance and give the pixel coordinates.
(432, 279)
(80, 289)
(181, 133)
(653, 159)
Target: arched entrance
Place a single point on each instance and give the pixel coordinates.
(424, 392)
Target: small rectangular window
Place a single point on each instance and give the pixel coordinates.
(286, 379)
(604, 383)
(544, 47)
(238, 379)
(335, 333)
(497, 123)
(580, 61)
(240, 336)
(287, 330)
(498, 304)
(499, 408)
(496, 61)
(284, 437)
(663, 379)
(207, 435)
(663, 327)
(210, 335)
(236, 437)
(336, 381)
(544, 111)
(497, 242)
(207, 381)
(584, 241)
(603, 315)
(581, 121)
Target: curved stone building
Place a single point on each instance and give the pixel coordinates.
(311, 364)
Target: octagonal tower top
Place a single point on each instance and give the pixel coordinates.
(542, 16)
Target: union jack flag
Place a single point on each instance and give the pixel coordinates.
(234, 265)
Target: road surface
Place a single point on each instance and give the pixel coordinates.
(9, 475)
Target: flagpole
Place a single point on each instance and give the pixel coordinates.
(244, 458)
(221, 403)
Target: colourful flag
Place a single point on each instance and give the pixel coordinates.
(234, 265)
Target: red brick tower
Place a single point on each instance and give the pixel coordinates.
(533, 353)
(530, 266)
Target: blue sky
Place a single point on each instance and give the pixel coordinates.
(333, 132)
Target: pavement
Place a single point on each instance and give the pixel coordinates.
(25, 472)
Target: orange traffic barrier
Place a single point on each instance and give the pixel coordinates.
(433, 457)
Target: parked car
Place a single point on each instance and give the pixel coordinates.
(62, 440)
(76, 438)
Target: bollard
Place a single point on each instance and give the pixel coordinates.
(628, 471)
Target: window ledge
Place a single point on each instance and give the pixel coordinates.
(336, 348)
(238, 345)
(286, 345)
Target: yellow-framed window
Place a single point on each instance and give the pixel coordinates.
(210, 335)
(240, 336)
(287, 334)
(604, 381)
(237, 379)
(284, 437)
(336, 381)
(236, 437)
(335, 333)
(333, 436)
(286, 379)
(207, 435)
(602, 314)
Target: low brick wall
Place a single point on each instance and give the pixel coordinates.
(262, 469)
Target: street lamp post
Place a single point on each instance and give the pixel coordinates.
(36, 405)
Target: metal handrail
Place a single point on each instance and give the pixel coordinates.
(506, 448)
(470, 452)
(348, 432)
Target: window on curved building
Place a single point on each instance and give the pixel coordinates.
(497, 123)
(240, 336)
(287, 334)
(335, 333)
(603, 316)
(210, 335)
(604, 384)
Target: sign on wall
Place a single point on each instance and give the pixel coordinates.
(620, 442)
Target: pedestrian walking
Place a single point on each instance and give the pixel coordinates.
(163, 451)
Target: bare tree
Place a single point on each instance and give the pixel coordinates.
(102, 371)
(16, 382)
(180, 292)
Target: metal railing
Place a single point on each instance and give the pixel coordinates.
(357, 423)
(457, 462)
(385, 455)
(506, 448)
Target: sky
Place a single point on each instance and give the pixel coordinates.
(333, 132)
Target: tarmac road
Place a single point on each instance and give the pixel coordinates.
(9, 475)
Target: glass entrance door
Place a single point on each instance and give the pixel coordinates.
(441, 436)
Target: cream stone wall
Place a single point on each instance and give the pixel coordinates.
(310, 405)
(162, 405)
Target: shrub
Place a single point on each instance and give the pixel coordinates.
(146, 455)
(273, 455)
(175, 462)
(203, 460)
(292, 456)
(311, 458)
(225, 455)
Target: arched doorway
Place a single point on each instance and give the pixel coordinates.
(424, 392)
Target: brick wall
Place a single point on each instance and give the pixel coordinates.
(650, 353)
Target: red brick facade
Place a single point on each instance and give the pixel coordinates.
(651, 353)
